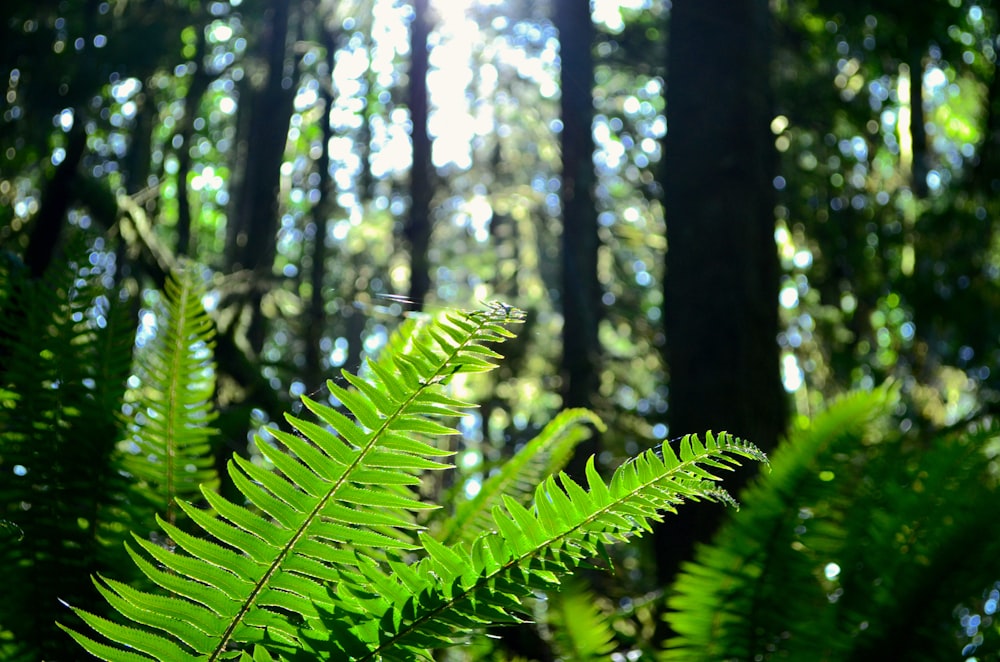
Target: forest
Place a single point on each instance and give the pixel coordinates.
(499, 330)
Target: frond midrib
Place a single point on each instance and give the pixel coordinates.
(178, 381)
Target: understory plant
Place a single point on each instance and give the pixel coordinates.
(863, 542)
(866, 540)
(99, 432)
(65, 355)
(169, 406)
(333, 553)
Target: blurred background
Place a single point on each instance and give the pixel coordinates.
(718, 215)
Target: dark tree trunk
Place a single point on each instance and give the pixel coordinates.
(366, 180)
(200, 79)
(317, 311)
(58, 195)
(137, 160)
(722, 275)
(252, 243)
(985, 174)
(918, 133)
(55, 203)
(580, 366)
(504, 232)
(418, 230)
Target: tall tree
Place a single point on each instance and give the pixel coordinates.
(721, 282)
(418, 229)
(197, 85)
(581, 290)
(320, 214)
(252, 237)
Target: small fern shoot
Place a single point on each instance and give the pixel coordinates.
(581, 630)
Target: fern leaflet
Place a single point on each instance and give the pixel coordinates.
(544, 455)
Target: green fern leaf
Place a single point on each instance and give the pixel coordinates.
(170, 456)
(454, 589)
(581, 630)
(858, 545)
(761, 574)
(544, 455)
(65, 349)
(275, 588)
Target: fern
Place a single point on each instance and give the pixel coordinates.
(543, 456)
(728, 605)
(453, 590)
(66, 348)
(169, 455)
(926, 546)
(858, 545)
(310, 514)
(327, 558)
(581, 629)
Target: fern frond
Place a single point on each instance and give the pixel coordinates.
(65, 346)
(263, 572)
(326, 555)
(718, 599)
(169, 434)
(858, 545)
(581, 630)
(456, 589)
(923, 548)
(112, 366)
(517, 478)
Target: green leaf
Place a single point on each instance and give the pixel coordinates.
(261, 579)
(517, 477)
(582, 630)
(529, 551)
(170, 437)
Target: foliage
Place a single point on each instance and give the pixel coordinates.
(582, 631)
(858, 545)
(138, 117)
(884, 131)
(328, 559)
(169, 454)
(66, 353)
(545, 455)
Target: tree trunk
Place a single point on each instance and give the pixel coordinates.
(252, 243)
(918, 133)
(418, 230)
(136, 170)
(985, 172)
(317, 312)
(721, 281)
(200, 79)
(55, 202)
(366, 180)
(580, 365)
